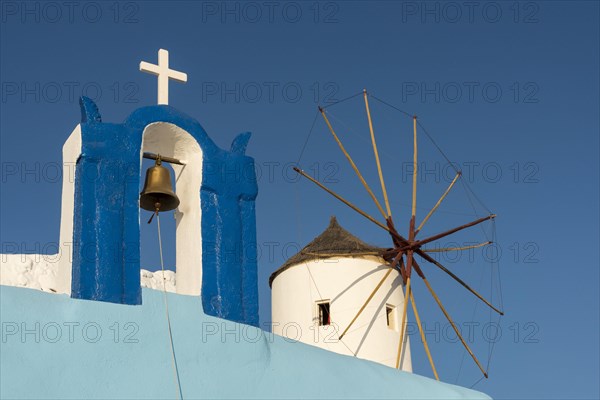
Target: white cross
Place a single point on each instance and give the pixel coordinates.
(164, 73)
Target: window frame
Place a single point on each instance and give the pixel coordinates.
(390, 316)
(318, 306)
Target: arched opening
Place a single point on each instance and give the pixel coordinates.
(169, 140)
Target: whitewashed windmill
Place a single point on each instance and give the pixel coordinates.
(399, 261)
(319, 290)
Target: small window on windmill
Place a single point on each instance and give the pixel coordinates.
(390, 316)
(323, 313)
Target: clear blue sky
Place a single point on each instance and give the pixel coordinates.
(509, 90)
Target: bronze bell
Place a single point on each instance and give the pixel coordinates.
(158, 194)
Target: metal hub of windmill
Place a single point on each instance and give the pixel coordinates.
(401, 256)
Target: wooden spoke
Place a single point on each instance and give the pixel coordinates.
(392, 266)
(354, 167)
(395, 234)
(402, 270)
(439, 303)
(423, 338)
(451, 231)
(409, 256)
(396, 237)
(406, 246)
(444, 249)
(340, 198)
(456, 248)
(383, 189)
(457, 279)
(366, 302)
(438, 202)
(325, 254)
(403, 323)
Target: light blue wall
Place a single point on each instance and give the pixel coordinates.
(216, 358)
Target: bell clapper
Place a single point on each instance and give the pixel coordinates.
(156, 211)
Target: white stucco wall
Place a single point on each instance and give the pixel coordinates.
(71, 152)
(40, 272)
(346, 283)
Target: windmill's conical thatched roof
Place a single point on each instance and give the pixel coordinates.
(335, 241)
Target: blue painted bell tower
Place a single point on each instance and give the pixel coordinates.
(215, 222)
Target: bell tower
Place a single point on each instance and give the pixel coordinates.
(215, 218)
